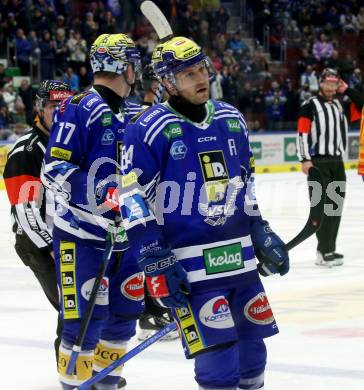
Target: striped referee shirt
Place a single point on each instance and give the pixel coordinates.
(322, 128)
(24, 188)
(323, 125)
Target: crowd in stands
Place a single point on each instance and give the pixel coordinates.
(48, 39)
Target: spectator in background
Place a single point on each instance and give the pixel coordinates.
(3, 78)
(203, 36)
(333, 18)
(293, 34)
(346, 65)
(356, 80)
(245, 97)
(216, 89)
(237, 45)
(222, 17)
(228, 58)
(322, 49)
(10, 25)
(259, 64)
(11, 99)
(348, 21)
(276, 40)
(85, 78)
(108, 25)
(18, 130)
(292, 105)
(71, 79)
(23, 51)
(360, 19)
(34, 42)
(77, 47)
(304, 93)
(309, 78)
(275, 100)
(26, 94)
(47, 56)
(62, 52)
(89, 28)
(258, 114)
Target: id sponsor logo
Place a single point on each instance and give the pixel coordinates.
(258, 310)
(69, 302)
(191, 335)
(68, 279)
(67, 256)
(216, 314)
(223, 258)
(184, 313)
(215, 174)
(133, 287)
(102, 297)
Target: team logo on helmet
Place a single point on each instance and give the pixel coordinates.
(113, 53)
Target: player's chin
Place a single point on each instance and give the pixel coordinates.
(202, 94)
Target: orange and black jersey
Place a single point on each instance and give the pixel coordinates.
(24, 188)
(323, 125)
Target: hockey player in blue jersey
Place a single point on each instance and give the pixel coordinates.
(81, 168)
(192, 221)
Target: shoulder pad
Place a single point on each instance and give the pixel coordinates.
(220, 105)
(77, 98)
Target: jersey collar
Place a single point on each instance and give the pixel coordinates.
(210, 112)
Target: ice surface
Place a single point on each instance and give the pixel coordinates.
(320, 312)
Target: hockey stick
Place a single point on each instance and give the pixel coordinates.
(316, 211)
(76, 349)
(157, 19)
(133, 352)
(313, 222)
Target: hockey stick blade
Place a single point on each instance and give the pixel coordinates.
(157, 19)
(316, 211)
(133, 352)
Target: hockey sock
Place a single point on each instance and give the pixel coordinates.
(252, 383)
(106, 353)
(83, 369)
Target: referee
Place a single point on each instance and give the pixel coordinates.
(33, 237)
(321, 142)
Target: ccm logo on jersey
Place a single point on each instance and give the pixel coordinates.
(160, 265)
(206, 139)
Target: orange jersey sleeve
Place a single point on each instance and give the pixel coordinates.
(361, 146)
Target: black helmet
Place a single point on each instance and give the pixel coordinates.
(148, 76)
(51, 90)
(329, 73)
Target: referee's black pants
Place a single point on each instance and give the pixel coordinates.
(42, 265)
(333, 170)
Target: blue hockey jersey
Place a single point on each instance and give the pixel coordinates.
(84, 148)
(185, 185)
